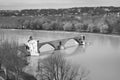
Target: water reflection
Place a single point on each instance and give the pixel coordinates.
(101, 57)
(74, 50)
(114, 42)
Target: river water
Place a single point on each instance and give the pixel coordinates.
(100, 55)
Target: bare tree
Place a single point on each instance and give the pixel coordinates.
(56, 67)
(10, 60)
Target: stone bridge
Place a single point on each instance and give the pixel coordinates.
(57, 44)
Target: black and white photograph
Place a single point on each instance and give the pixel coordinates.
(59, 39)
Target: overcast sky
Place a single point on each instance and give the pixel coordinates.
(40, 4)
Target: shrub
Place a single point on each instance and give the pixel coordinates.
(68, 26)
(96, 29)
(79, 26)
(9, 58)
(46, 26)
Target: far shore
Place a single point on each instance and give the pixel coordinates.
(67, 32)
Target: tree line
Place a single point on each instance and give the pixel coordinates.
(82, 23)
(61, 12)
(96, 24)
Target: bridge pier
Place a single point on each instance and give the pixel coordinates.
(83, 37)
(81, 42)
(38, 46)
(60, 46)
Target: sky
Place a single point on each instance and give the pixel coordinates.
(45, 4)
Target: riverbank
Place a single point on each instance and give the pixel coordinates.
(57, 32)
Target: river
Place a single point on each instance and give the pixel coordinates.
(100, 55)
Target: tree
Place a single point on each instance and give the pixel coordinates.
(56, 67)
(46, 26)
(103, 27)
(37, 24)
(79, 26)
(90, 27)
(20, 22)
(55, 25)
(117, 26)
(10, 60)
(111, 21)
(26, 24)
(85, 27)
(68, 26)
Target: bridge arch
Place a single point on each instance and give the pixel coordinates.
(71, 42)
(46, 47)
